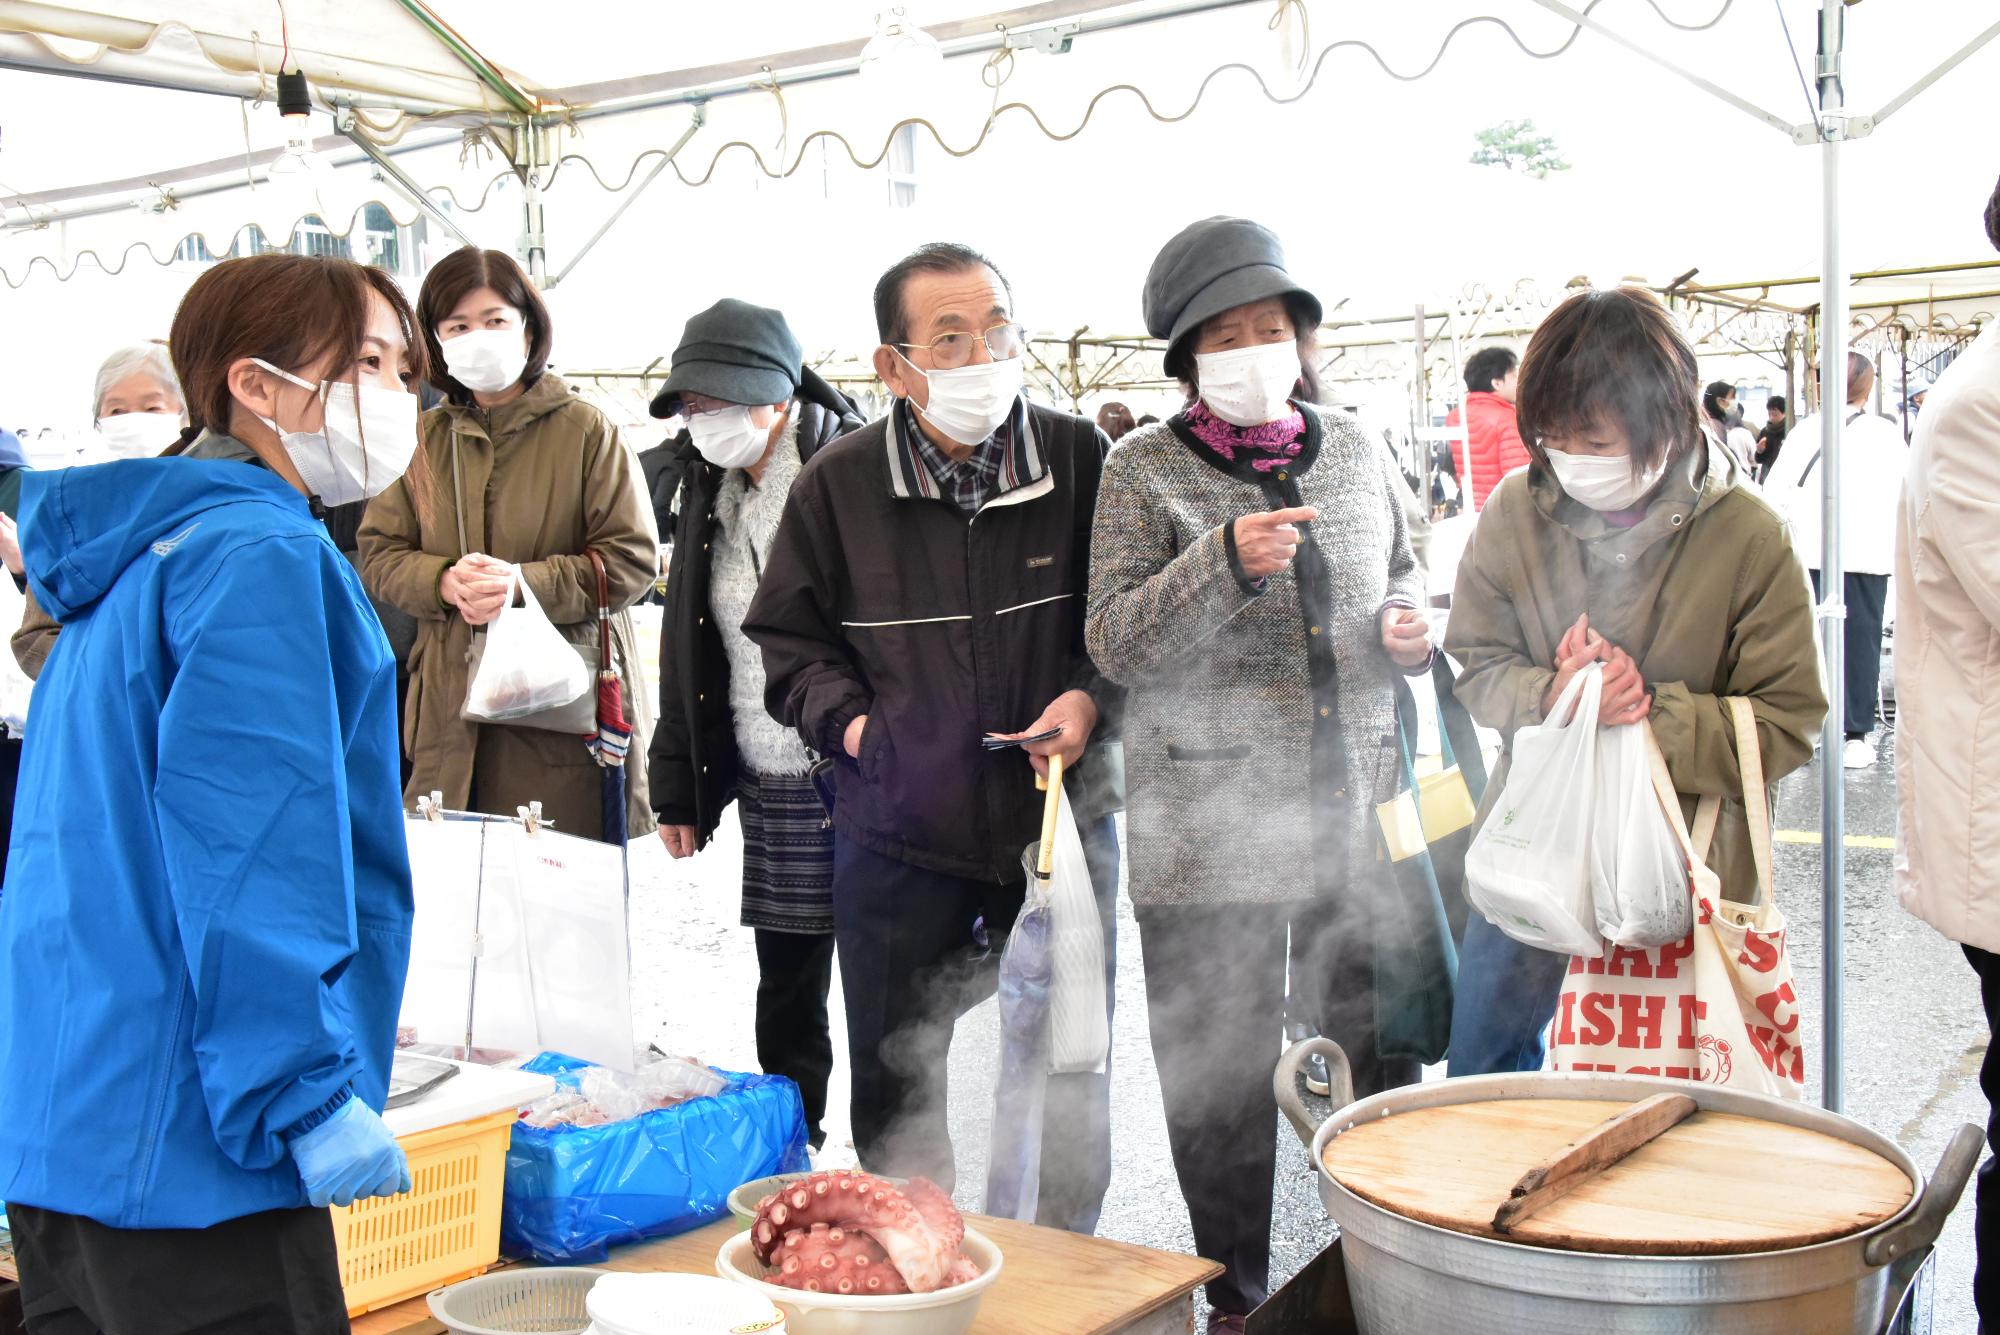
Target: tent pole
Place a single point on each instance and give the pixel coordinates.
(699, 119)
(400, 178)
(1903, 398)
(1832, 608)
(530, 156)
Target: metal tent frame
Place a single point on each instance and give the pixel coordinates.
(1831, 126)
(473, 91)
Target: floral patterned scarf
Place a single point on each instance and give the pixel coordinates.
(1268, 445)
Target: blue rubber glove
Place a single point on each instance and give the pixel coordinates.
(349, 1157)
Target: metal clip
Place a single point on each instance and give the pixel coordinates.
(1052, 39)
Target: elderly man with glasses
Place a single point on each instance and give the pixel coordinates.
(925, 592)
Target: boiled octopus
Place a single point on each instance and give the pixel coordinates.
(854, 1233)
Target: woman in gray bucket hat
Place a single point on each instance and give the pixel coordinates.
(754, 415)
(1252, 583)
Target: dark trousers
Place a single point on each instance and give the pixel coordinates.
(1215, 994)
(1866, 597)
(917, 949)
(794, 1037)
(1986, 1210)
(274, 1273)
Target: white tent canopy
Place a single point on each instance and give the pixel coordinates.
(472, 100)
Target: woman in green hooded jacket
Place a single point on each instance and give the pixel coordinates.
(1636, 540)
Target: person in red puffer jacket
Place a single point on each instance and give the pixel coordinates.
(1497, 447)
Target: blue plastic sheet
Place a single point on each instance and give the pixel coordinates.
(573, 1193)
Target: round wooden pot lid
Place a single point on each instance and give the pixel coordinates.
(1714, 1184)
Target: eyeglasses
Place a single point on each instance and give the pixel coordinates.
(695, 404)
(951, 351)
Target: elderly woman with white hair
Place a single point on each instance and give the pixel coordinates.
(138, 405)
(139, 411)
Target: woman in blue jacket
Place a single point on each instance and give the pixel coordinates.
(205, 925)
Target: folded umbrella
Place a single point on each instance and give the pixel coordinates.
(613, 738)
(1014, 1163)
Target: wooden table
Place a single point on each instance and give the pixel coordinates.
(1052, 1283)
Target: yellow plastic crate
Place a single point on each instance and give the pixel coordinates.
(444, 1229)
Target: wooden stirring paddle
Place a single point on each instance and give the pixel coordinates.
(1606, 1144)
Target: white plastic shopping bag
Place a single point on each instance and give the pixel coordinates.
(1079, 1032)
(527, 666)
(1528, 869)
(1638, 870)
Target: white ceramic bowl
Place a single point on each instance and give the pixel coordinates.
(744, 1200)
(946, 1312)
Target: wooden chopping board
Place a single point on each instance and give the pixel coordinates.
(1716, 1183)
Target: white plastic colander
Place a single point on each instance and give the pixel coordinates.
(518, 1302)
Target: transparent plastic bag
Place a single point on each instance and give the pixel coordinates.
(600, 1095)
(1528, 870)
(526, 666)
(676, 1079)
(1638, 874)
(1014, 1156)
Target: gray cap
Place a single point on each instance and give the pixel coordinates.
(735, 352)
(1212, 266)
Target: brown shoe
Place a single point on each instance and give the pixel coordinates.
(1220, 1324)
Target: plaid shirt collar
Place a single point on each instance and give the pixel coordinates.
(1008, 459)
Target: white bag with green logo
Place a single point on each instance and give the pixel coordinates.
(1528, 869)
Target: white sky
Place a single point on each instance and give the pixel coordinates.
(1365, 178)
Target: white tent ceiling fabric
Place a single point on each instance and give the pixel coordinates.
(185, 163)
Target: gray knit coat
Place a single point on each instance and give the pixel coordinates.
(1218, 728)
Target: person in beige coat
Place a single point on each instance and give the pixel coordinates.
(1637, 540)
(1948, 693)
(523, 472)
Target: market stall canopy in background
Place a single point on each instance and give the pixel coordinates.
(1070, 137)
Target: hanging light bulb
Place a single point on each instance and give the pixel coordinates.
(295, 108)
(303, 200)
(899, 49)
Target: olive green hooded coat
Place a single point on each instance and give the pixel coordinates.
(1706, 593)
(536, 482)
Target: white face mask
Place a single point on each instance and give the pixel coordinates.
(1603, 481)
(139, 435)
(364, 445)
(728, 438)
(1249, 386)
(969, 403)
(486, 360)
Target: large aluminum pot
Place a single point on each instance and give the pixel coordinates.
(1408, 1278)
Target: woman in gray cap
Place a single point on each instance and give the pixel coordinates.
(754, 416)
(1252, 583)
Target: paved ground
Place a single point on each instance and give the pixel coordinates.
(1915, 1034)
